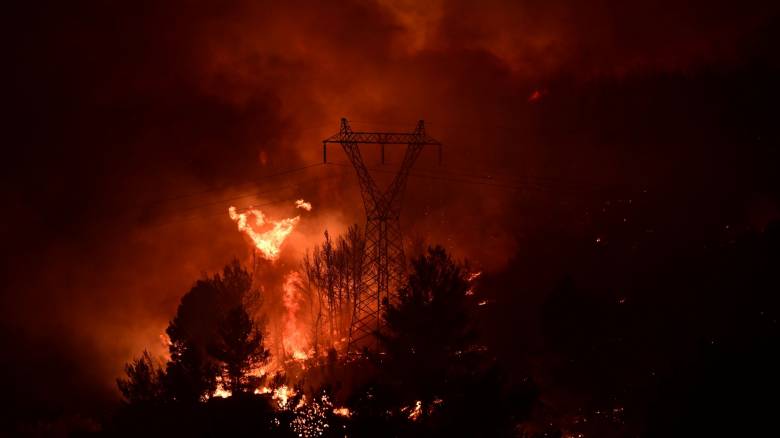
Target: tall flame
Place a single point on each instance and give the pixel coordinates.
(295, 338)
(268, 242)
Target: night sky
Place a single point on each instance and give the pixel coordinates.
(602, 144)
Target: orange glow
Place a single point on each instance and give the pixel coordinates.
(471, 279)
(268, 242)
(165, 340)
(537, 95)
(291, 337)
(343, 412)
(282, 395)
(303, 204)
(415, 413)
(295, 339)
(222, 392)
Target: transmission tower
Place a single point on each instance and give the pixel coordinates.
(384, 265)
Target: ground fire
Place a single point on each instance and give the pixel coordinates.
(390, 218)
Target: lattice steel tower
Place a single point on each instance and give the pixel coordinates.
(384, 265)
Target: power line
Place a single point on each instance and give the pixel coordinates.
(456, 177)
(253, 194)
(442, 174)
(464, 180)
(223, 201)
(216, 213)
(384, 265)
(247, 182)
(498, 175)
(234, 198)
(540, 184)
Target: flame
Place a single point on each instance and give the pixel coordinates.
(282, 395)
(472, 277)
(165, 342)
(268, 242)
(303, 204)
(295, 338)
(343, 412)
(415, 413)
(222, 392)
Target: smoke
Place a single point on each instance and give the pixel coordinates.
(133, 125)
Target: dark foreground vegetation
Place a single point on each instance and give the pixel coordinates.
(664, 364)
(425, 374)
(657, 365)
(685, 348)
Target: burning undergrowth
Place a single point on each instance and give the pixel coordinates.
(283, 303)
(271, 338)
(255, 331)
(306, 307)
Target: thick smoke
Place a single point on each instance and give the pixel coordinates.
(133, 124)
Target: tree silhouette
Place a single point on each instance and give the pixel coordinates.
(144, 381)
(190, 374)
(334, 275)
(195, 330)
(433, 378)
(428, 330)
(240, 349)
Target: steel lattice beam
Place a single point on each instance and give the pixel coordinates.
(384, 264)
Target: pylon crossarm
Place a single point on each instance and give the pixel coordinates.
(384, 264)
(383, 138)
(346, 134)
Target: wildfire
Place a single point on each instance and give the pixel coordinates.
(472, 277)
(414, 414)
(165, 342)
(251, 221)
(295, 339)
(343, 412)
(282, 395)
(222, 392)
(303, 204)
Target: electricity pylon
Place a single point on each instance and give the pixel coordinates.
(384, 265)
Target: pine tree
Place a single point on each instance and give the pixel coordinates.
(240, 349)
(193, 370)
(433, 378)
(144, 381)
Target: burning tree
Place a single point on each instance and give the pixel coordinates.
(431, 378)
(334, 275)
(289, 333)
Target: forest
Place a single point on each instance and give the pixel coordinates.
(429, 371)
